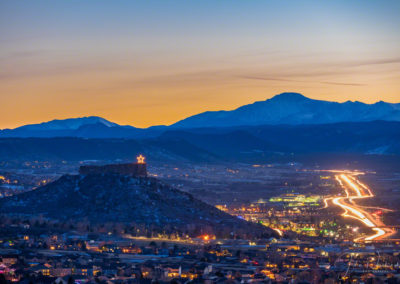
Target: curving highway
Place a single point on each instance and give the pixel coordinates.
(354, 190)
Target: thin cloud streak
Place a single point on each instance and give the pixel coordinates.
(377, 62)
(299, 81)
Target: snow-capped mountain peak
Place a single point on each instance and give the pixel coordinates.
(68, 124)
(293, 108)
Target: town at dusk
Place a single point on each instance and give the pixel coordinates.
(170, 141)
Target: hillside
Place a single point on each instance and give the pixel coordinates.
(249, 144)
(102, 198)
(375, 137)
(76, 149)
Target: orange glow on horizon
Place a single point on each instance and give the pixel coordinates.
(145, 63)
(139, 112)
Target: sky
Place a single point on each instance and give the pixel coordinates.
(147, 63)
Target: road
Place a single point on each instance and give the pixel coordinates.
(354, 190)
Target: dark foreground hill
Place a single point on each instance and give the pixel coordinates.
(112, 198)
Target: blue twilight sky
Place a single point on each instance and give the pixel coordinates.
(155, 62)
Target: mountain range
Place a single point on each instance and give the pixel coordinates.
(254, 144)
(294, 109)
(285, 125)
(285, 108)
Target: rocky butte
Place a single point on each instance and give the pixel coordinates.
(137, 169)
(122, 195)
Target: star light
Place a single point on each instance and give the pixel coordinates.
(140, 159)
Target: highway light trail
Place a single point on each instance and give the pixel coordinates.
(380, 232)
(280, 233)
(358, 215)
(351, 184)
(326, 204)
(354, 189)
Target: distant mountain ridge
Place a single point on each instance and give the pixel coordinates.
(69, 123)
(85, 127)
(293, 109)
(285, 108)
(240, 143)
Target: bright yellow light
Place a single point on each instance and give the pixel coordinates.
(280, 233)
(379, 233)
(351, 184)
(140, 159)
(355, 211)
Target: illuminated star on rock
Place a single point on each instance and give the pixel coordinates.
(140, 159)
